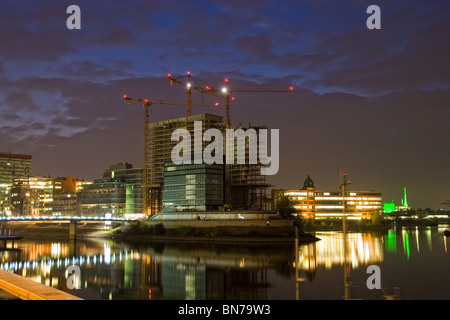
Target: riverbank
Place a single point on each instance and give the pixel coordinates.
(258, 231)
(160, 232)
(49, 229)
(246, 234)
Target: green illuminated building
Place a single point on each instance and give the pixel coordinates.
(389, 207)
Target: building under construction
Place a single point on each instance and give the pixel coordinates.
(248, 186)
(244, 186)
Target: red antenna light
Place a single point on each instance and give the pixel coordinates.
(188, 73)
(226, 80)
(124, 96)
(291, 88)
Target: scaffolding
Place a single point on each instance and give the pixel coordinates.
(246, 188)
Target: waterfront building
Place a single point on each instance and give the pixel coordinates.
(317, 204)
(11, 166)
(389, 207)
(160, 150)
(244, 186)
(193, 187)
(44, 195)
(248, 187)
(118, 192)
(65, 197)
(33, 195)
(65, 204)
(392, 208)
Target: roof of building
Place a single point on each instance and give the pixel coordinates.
(309, 183)
(12, 155)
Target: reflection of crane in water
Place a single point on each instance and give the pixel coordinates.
(347, 277)
(347, 267)
(298, 279)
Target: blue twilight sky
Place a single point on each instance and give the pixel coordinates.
(374, 103)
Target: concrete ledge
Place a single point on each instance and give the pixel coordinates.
(27, 289)
(215, 215)
(221, 223)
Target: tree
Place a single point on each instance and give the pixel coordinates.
(376, 218)
(285, 207)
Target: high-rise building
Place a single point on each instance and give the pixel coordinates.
(244, 186)
(316, 204)
(33, 195)
(44, 195)
(11, 166)
(160, 150)
(247, 186)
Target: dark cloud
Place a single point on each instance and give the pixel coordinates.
(97, 72)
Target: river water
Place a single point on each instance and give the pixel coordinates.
(413, 262)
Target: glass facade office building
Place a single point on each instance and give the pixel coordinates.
(193, 187)
(118, 192)
(11, 166)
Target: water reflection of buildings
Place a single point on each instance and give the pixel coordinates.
(411, 240)
(204, 272)
(362, 249)
(147, 273)
(212, 277)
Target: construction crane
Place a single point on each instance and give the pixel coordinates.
(191, 84)
(225, 93)
(147, 179)
(229, 98)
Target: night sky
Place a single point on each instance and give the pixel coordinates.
(373, 103)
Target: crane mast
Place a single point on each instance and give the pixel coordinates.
(147, 177)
